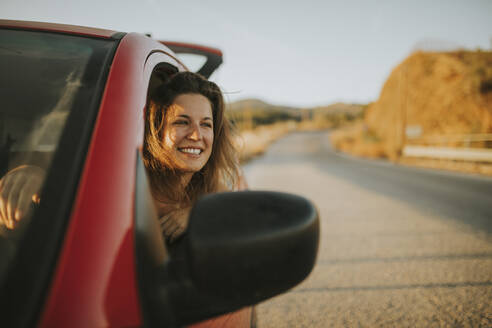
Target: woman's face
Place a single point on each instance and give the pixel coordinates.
(188, 132)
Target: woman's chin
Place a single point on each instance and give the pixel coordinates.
(191, 164)
(193, 168)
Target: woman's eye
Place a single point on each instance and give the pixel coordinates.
(180, 122)
(206, 124)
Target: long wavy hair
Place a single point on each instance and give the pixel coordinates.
(221, 171)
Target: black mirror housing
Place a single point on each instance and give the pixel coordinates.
(249, 246)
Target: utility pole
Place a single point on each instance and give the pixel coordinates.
(402, 122)
(404, 113)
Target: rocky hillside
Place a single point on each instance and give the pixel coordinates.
(436, 93)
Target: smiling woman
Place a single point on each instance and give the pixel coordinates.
(188, 149)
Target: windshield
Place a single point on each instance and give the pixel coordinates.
(46, 77)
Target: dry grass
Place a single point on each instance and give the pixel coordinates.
(357, 140)
(252, 143)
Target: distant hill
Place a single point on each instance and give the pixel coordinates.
(341, 108)
(261, 113)
(257, 104)
(249, 113)
(247, 104)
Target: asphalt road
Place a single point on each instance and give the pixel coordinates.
(400, 247)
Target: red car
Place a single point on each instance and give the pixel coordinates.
(90, 253)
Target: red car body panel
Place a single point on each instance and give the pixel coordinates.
(95, 280)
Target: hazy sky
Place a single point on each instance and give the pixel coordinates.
(300, 53)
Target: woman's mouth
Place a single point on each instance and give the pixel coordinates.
(190, 150)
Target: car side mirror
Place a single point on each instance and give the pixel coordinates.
(249, 246)
(241, 248)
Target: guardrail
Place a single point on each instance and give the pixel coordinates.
(464, 154)
(415, 148)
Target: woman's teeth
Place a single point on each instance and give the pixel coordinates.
(194, 151)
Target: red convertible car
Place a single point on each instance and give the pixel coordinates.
(90, 253)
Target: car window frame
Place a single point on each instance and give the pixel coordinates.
(27, 282)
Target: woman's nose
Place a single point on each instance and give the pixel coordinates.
(195, 133)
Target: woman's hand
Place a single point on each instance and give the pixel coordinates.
(174, 224)
(18, 189)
